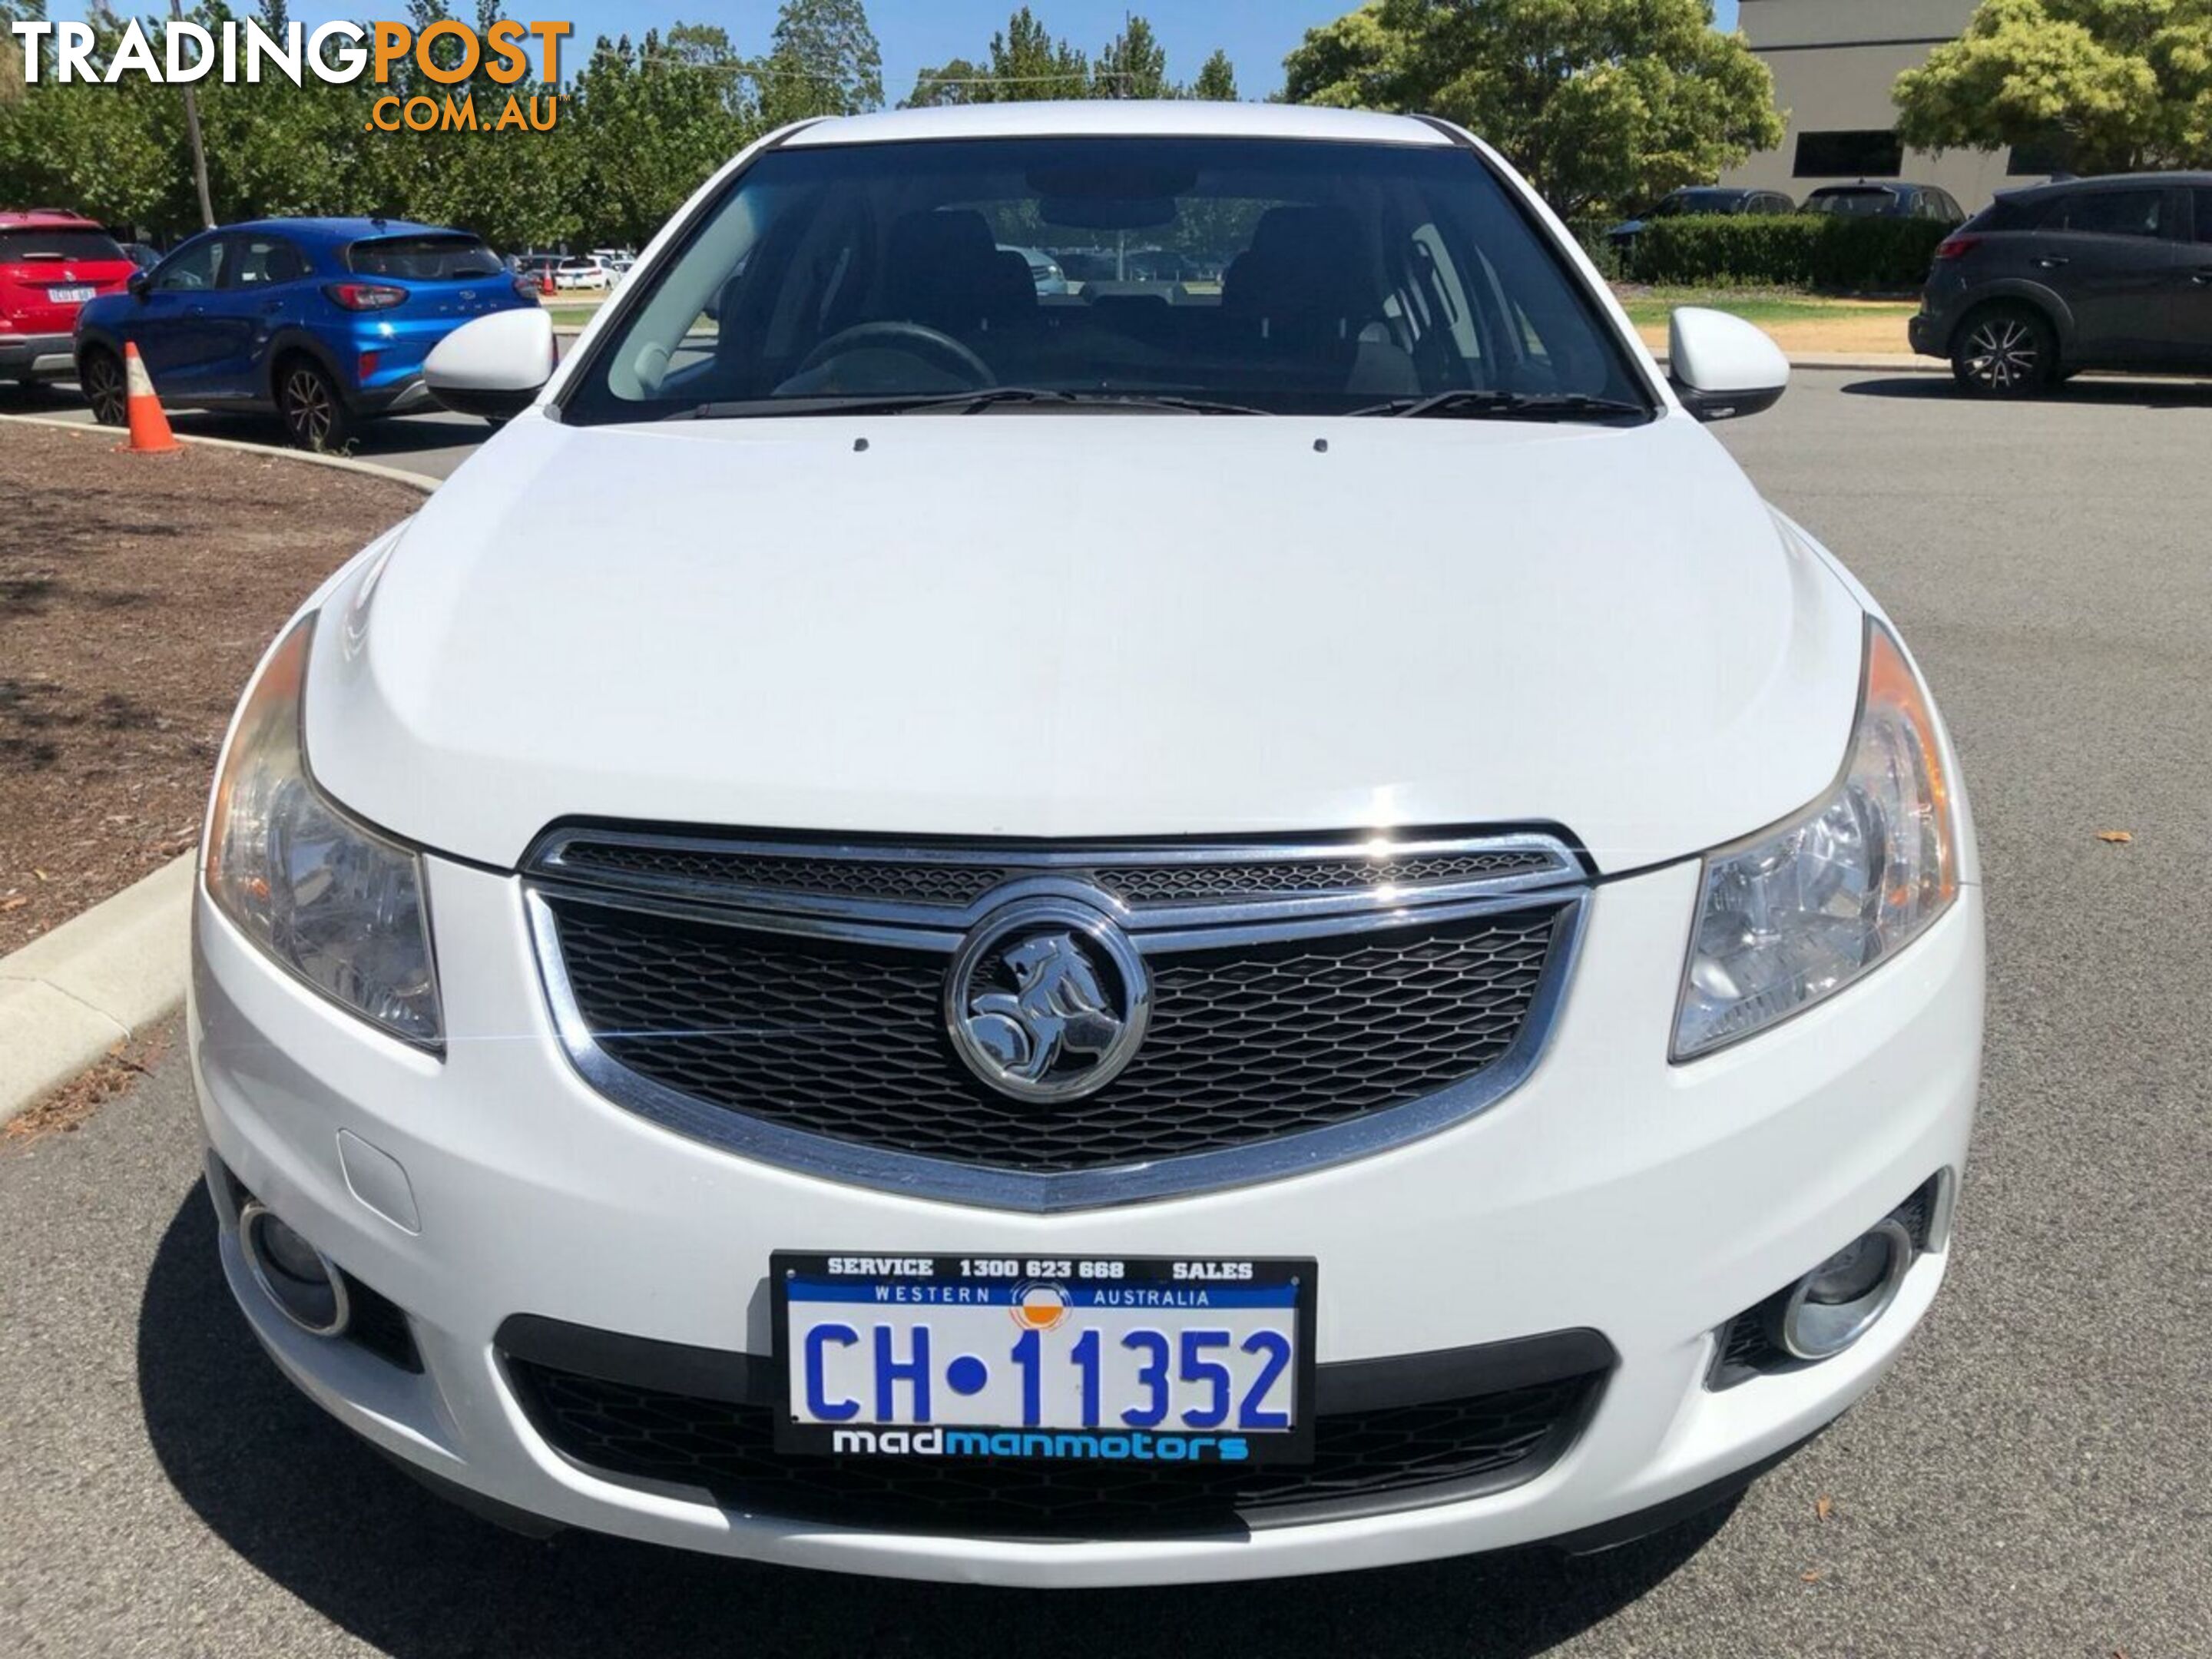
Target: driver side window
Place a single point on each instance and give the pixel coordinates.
(194, 270)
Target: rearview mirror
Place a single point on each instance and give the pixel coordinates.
(494, 367)
(137, 284)
(1721, 366)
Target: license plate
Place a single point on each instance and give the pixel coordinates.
(69, 296)
(1205, 1360)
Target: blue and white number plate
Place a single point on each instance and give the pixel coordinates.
(1205, 1360)
(69, 296)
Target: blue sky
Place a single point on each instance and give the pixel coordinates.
(1256, 34)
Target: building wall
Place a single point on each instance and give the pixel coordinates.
(1834, 62)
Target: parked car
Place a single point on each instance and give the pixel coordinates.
(144, 255)
(1085, 265)
(51, 263)
(1700, 199)
(1045, 274)
(1887, 201)
(2111, 273)
(582, 272)
(1430, 1000)
(326, 321)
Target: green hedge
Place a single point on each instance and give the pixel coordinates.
(1803, 250)
(1590, 232)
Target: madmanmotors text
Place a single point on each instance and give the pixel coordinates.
(1138, 1447)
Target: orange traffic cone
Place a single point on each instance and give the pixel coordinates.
(149, 428)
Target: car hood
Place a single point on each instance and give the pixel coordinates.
(1089, 625)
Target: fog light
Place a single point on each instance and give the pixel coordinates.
(1837, 1303)
(306, 1285)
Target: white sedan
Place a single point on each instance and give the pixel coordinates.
(1130, 943)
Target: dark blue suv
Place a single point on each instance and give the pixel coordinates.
(326, 321)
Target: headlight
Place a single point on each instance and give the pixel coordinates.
(1799, 913)
(331, 899)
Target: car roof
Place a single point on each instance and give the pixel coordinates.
(1892, 185)
(1117, 117)
(2108, 181)
(341, 230)
(47, 219)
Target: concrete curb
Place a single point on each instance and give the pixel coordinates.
(343, 463)
(70, 995)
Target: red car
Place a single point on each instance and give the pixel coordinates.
(51, 263)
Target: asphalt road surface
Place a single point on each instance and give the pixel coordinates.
(2034, 1482)
(433, 443)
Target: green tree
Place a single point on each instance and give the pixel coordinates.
(1026, 62)
(651, 124)
(1132, 65)
(2116, 85)
(516, 188)
(1217, 80)
(823, 60)
(114, 152)
(1603, 103)
(11, 49)
(956, 80)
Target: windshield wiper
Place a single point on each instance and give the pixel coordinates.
(1468, 404)
(957, 402)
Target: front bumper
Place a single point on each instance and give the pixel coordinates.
(1611, 1192)
(36, 357)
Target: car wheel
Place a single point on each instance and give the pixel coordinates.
(2005, 351)
(315, 415)
(100, 375)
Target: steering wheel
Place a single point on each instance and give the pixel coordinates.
(918, 339)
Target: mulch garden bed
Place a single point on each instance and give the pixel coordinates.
(136, 593)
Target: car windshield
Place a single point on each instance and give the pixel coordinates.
(1856, 204)
(42, 246)
(1266, 276)
(424, 259)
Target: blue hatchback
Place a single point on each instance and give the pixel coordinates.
(326, 321)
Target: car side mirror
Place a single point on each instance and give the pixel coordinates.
(1721, 366)
(138, 283)
(496, 366)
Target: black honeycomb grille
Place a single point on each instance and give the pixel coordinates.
(894, 882)
(1246, 1043)
(1409, 1454)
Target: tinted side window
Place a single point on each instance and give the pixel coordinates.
(2007, 215)
(2204, 216)
(2111, 213)
(263, 262)
(195, 269)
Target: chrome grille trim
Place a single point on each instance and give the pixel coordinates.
(1157, 931)
(978, 877)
